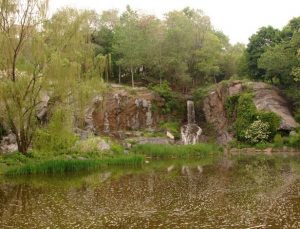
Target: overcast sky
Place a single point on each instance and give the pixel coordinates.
(238, 19)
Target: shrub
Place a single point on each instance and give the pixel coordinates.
(273, 121)
(246, 114)
(297, 115)
(88, 145)
(278, 140)
(164, 91)
(257, 132)
(58, 135)
(231, 106)
(173, 127)
(294, 140)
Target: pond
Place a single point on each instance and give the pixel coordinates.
(237, 192)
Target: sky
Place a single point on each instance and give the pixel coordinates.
(238, 19)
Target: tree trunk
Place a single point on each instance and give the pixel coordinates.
(132, 77)
(119, 74)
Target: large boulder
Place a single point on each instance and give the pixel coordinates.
(123, 108)
(266, 97)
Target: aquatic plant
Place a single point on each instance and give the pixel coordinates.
(180, 151)
(62, 165)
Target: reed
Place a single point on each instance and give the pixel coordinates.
(178, 151)
(73, 165)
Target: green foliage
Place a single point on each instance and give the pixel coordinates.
(88, 145)
(257, 132)
(179, 151)
(250, 125)
(231, 106)
(246, 114)
(294, 140)
(58, 136)
(265, 37)
(73, 165)
(297, 115)
(173, 127)
(272, 120)
(278, 140)
(171, 102)
(116, 148)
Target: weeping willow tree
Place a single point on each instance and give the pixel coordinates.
(53, 57)
(103, 64)
(20, 91)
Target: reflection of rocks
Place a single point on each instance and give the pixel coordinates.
(266, 97)
(9, 144)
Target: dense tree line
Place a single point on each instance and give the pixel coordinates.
(182, 48)
(273, 56)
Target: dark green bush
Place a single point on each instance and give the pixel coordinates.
(231, 106)
(294, 140)
(272, 119)
(247, 114)
(171, 100)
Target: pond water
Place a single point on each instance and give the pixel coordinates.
(240, 192)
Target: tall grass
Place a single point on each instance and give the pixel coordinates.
(178, 151)
(73, 165)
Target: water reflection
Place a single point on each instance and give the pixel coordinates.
(231, 193)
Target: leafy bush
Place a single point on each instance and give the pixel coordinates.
(247, 115)
(297, 115)
(164, 91)
(58, 135)
(257, 132)
(231, 106)
(272, 119)
(294, 140)
(173, 127)
(278, 140)
(86, 146)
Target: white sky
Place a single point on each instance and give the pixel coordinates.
(238, 19)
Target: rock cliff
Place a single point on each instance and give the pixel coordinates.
(122, 109)
(266, 97)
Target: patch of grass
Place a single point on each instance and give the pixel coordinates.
(72, 165)
(179, 151)
(171, 126)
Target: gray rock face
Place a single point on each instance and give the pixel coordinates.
(266, 97)
(124, 109)
(151, 140)
(9, 144)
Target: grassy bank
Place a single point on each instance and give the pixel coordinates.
(177, 151)
(18, 164)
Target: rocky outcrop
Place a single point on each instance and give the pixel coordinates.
(8, 144)
(122, 109)
(266, 97)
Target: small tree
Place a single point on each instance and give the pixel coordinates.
(20, 91)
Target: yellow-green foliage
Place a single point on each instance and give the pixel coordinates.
(173, 127)
(89, 145)
(58, 135)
